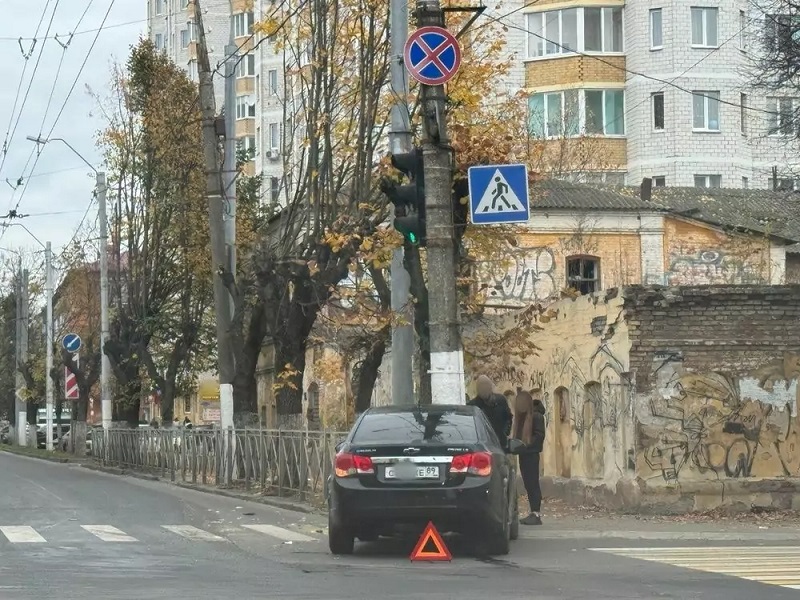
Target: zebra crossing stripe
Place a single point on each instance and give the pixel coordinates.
(107, 533)
(773, 565)
(21, 534)
(287, 535)
(193, 533)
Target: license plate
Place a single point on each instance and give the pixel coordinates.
(412, 473)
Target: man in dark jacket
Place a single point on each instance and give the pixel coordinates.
(530, 427)
(495, 407)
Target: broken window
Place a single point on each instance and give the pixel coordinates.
(583, 274)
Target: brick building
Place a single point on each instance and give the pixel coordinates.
(669, 399)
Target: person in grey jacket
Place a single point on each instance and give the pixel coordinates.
(529, 428)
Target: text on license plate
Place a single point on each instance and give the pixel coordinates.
(412, 473)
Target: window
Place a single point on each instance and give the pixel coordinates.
(247, 144)
(274, 189)
(605, 112)
(742, 30)
(600, 178)
(780, 34)
(159, 43)
(786, 185)
(159, 7)
(245, 107)
(246, 66)
(658, 111)
(428, 423)
(574, 30)
(656, 31)
(243, 24)
(708, 181)
(193, 75)
(705, 110)
(781, 116)
(184, 38)
(743, 113)
(704, 27)
(745, 183)
(569, 113)
(660, 181)
(187, 404)
(583, 274)
(274, 136)
(556, 114)
(272, 82)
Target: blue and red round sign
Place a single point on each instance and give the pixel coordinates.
(432, 55)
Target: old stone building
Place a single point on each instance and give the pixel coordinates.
(669, 399)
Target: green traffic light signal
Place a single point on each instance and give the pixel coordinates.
(412, 238)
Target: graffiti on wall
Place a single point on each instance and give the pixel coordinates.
(525, 275)
(710, 425)
(709, 267)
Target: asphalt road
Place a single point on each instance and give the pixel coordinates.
(67, 532)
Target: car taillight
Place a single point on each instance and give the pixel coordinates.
(347, 465)
(477, 463)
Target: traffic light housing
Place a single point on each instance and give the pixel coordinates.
(408, 199)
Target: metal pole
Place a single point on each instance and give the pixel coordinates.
(216, 211)
(400, 143)
(105, 364)
(48, 260)
(447, 357)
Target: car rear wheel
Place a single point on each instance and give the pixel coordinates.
(514, 527)
(340, 539)
(498, 542)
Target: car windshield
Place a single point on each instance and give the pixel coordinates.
(416, 427)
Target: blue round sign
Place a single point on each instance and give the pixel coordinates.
(432, 55)
(71, 342)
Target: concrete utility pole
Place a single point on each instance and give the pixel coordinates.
(447, 358)
(219, 259)
(231, 58)
(400, 143)
(22, 352)
(48, 266)
(105, 364)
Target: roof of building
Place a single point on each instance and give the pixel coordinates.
(761, 211)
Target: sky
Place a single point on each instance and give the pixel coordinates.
(60, 182)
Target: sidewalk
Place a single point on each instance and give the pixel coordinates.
(567, 522)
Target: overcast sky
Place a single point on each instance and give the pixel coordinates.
(60, 182)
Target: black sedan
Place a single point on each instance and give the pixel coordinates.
(406, 466)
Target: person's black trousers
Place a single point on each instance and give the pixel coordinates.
(529, 469)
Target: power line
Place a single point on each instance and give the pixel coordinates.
(83, 32)
(9, 135)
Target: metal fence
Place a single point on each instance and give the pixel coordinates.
(269, 461)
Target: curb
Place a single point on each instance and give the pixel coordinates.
(120, 472)
(688, 536)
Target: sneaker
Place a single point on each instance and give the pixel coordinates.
(531, 519)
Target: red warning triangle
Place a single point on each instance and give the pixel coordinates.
(431, 535)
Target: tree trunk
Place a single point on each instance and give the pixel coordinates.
(420, 292)
(168, 401)
(367, 372)
(78, 429)
(245, 394)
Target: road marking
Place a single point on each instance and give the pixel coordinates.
(21, 534)
(287, 535)
(773, 565)
(193, 533)
(107, 533)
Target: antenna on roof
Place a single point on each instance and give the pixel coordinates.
(646, 191)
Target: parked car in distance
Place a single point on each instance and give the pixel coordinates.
(63, 443)
(405, 466)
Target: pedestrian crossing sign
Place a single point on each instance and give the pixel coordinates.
(498, 194)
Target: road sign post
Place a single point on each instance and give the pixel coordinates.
(432, 55)
(498, 194)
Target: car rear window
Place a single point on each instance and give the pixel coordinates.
(416, 427)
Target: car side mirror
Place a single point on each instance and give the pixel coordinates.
(338, 447)
(515, 446)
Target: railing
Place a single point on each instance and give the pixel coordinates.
(268, 461)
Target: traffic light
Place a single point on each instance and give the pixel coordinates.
(408, 199)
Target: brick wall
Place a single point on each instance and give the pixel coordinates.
(541, 73)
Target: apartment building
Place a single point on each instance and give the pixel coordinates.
(259, 70)
(655, 88)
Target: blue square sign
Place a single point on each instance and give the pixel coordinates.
(498, 194)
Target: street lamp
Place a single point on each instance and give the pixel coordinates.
(105, 365)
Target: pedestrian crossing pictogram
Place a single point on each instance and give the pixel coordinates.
(773, 565)
(499, 197)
